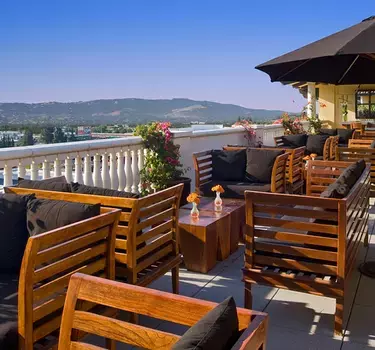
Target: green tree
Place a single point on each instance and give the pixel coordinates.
(6, 141)
(46, 135)
(27, 138)
(59, 136)
(71, 137)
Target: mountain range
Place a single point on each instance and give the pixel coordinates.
(128, 110)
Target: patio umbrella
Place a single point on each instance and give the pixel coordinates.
(346, 57)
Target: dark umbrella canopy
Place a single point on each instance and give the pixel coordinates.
(346, 57)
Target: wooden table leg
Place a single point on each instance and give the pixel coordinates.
(223, 229)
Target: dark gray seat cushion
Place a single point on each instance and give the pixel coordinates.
(228, 165)
(84, 189)
(217, 330)
(45, 214)
(234, 189)
(8, 297)
(9, 336)
(259, 164)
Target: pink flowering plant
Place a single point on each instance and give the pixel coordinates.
(162, 161)
(250, 134)
(291, 125)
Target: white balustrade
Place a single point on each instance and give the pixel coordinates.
(121, 170)
(97, 176)
(46, 170)
(105, 171)
(68, 169)
(78, 177)
(135, 172)
(128, 171)
(57, 167)
(87, 171)
(113, 170)
(140, 167)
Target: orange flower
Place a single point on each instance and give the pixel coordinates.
(313, 155)
(306, 158)
(193, 198)
(217, 188)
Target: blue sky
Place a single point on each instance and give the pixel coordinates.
(63, 50)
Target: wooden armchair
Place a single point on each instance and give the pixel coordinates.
(359, 143)
(49, 261)
(307, 243)
(147, 240)
(161, 305)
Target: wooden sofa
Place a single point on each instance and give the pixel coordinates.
(307, 243)
(161, 305)
(203, 174)
(293, 170)
(147, 240)
(359, 149)
(49, 261)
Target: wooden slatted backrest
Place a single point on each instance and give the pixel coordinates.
(368, 135)
(327, 148)
(278, 178)
(153, 230)
(354, 154)
(161, 305)
(130, 209)
(333, 147)
(359, 143)
(279, 142)
(203, 168)
(321, 173)
(49, 261)
(284, 233)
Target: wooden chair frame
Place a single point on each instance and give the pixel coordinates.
(203, 171)
(49, 261)
(161, 305)
(152, 219)
(359, 143)
(307, 243)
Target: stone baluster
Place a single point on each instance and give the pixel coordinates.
(46, 169)
(21, 170)
(128, 171)
(97, 176)
(140, 167)
(105, 171)
(56, 167)
(78, 170)
(134, 170)
(68, 170)
(8, 175)
(113, 170)
(121, 170)
(34, 171)
(87, 171)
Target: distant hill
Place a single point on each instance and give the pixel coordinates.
(128, 110)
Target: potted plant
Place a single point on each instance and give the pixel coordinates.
(162, 167)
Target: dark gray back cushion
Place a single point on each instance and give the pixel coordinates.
(217, 330)
(80, 188)
(345, 135)
(44, 215)
(260, 163)
(53, 184)
(315, 144)
(329, 132)
(13, 231)
(228, 165)
(295, 141)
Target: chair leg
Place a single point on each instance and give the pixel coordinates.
(110, 344)
(365, 243)
(339, 315)
(248, 296)
(176, 280)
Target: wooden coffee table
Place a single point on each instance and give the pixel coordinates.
(205, 240)
(236, 210)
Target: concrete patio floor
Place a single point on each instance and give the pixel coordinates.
(297, 320)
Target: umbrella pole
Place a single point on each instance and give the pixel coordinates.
(349, 68)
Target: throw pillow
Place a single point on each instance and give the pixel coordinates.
(295, 141)
(328, 132)
(260, 163)
(228, 165)
(80, 188)
(315, 144)
(53, 184)
(45, 214)
(345, 182)
(13, 234)
(345, 135)
(218, 329)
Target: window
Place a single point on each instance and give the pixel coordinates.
(365, 104)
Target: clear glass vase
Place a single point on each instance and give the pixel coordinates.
(218, 202)
(194, 213)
